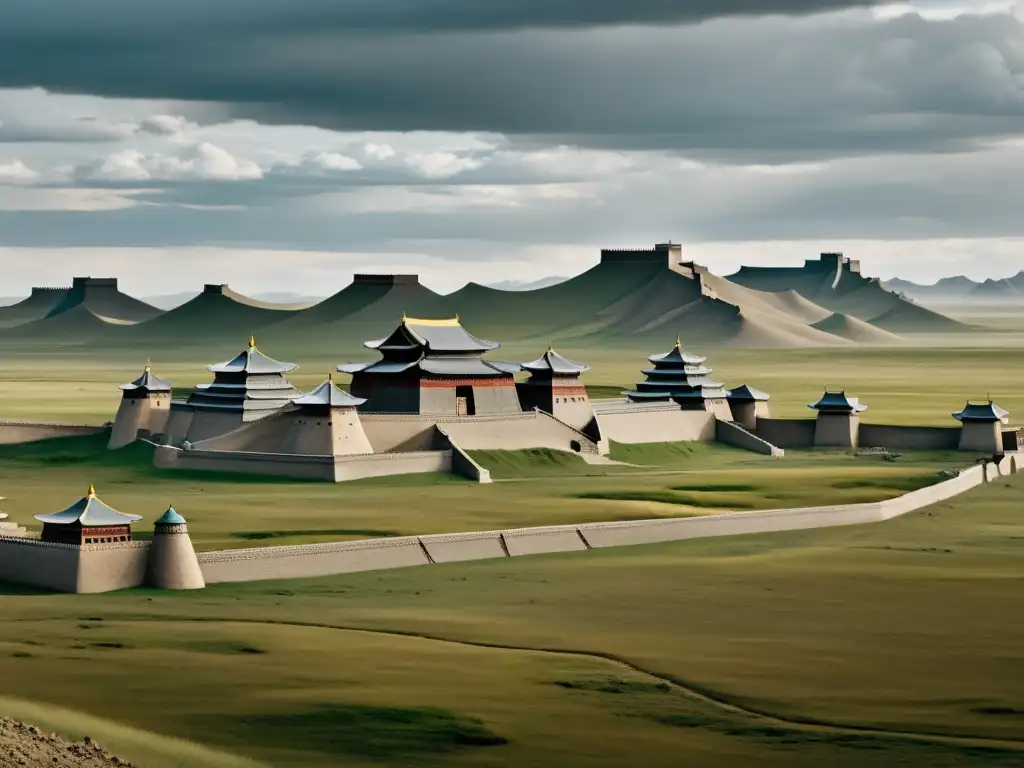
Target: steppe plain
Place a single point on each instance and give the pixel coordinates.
(896, 644)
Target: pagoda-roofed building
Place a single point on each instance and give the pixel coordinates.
(838, 422)
(981, 427)
(246, 388)
(145, 405)
(326, 424)
(434, 367)
(680, 377)
(87, 521)
(748, 405)
(554, 386)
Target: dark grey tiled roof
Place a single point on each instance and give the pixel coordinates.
(677, 355)
(328, 395)
(148, 382)
(381, 366)
(838, 401)
(647, 395)
(251, 360)
(747, 393)
(981, 412)
(555, 363)
(90, 512)
(460, 366)
(688, 370)
(436, 335)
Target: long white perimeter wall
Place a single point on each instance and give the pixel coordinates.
(310, 560)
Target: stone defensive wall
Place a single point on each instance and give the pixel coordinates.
(310, 560)
(799, 433)
(69, 568)
(631, 423)
(13, 432)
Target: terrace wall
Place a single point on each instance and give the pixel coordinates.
(13, 432)
(909, 438)
(630, 424)
(67, 568)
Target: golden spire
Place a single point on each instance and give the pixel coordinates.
(252, 342)
(551, 346)
(404, 316)
(330, 376)
(148, 365)
(92, 492)
(679, 342)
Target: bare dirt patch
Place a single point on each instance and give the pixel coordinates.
(26, 745)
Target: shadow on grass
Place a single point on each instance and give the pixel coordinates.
(353, 730)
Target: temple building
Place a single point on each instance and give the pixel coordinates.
(246, 388)
(554, 386)
(326, 424)
(683, 378)
(838, 420)
(87, 521)
(747, 406)
(433, 367)
(145, 405)
(981, 428)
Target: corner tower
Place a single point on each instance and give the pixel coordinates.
(981, 427)
(145, 405)
(172, 562)
(554, 386)
(327, 424)
(838, 423)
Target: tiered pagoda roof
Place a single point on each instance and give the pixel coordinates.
(553, 364)
(677, 375)
(88, 512)
(981, 412)
(837, 402)
(147, 382)
(329, 395)
(250, 382)
(438, 347)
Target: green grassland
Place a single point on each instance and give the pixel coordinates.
(895, 644)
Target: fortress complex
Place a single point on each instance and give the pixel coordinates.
(433, 396)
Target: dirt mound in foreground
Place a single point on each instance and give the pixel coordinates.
(26, 745)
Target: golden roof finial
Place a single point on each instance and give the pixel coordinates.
(551, 346)
(679, 342)
(330, 376)
(148, 365)
(252, 342)
(92, 492)
(404, 316)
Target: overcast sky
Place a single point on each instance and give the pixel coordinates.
(284, 145)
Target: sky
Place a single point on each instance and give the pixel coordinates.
(282, 146)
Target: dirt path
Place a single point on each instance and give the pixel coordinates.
(26, 745)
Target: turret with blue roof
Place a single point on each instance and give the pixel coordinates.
(88, 521)
(982, 427)
(838, 423)
(172, 562)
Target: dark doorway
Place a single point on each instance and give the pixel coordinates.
(575, 445)
(465, 404)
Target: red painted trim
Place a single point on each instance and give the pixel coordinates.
(574, 391)
(500, 381)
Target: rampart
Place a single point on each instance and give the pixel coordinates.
(800, 433)
(309, 560)
(730, 433)
(14, 432)
(68, 568)
(366, 279)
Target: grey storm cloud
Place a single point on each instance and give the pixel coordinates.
(729, 88)
(73, 19)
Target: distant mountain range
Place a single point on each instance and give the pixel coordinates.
(632, 297)
(963, 289)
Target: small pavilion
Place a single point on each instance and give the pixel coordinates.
(838, 422)
(87, 521)
(981, 428)
(554, 386)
